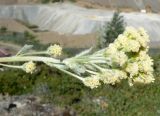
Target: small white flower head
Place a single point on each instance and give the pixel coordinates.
(144, 78)
(29, 67)
(54, 50)
(119, 58)
(132, 68)
(143, 33)
(111, 49)
(120, 74)
(130, 82)
(121, 41)
(92, 82)
(133, 46)
(142, 42)
(107, 77)
(146, 66)
(144, 56)
(112, 76)
(131, 33)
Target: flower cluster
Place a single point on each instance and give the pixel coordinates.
(54, 50)
(129, 52)
(112, 76)
(29, 67)
(126, 58)
(92, 81)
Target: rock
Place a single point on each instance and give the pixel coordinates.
(30, 105)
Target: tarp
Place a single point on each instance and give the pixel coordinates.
(135, 4)
(67, 18)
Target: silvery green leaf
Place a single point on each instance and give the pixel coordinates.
(1, 69)
(100, 52)
(78, 69)
(85, 52)
(56, 65)
(61, 66)
(98, 61)
(90, 67)
(25, 49)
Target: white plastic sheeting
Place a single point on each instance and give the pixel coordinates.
(67, 18)
(154, 5)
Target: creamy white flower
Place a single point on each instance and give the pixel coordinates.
(120, 74)
(111, 49)
(144, 56)
(142, 41)
(112, 76)
(119, 58)
(92, 82)
(143, 33)
(145, 66)
(132, 68)
(54, 50)
(127, 45)
(144, 78)
(130, 82)
(132, 46)
(131, 33)
(29, 67)
(121, 41)
(109, 78)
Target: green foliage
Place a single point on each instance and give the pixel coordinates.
(29, 36)
(111, 30)
(47, 1)
(63, 90)
(22, 39)
(57, 1)
(15, 82)
(72, 0)
(3, 29)
(27, 24)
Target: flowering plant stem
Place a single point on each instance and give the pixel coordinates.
(69, 73)
(28, 58)
(37, 59)
(109, 65)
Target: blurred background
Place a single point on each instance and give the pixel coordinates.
(75, 25)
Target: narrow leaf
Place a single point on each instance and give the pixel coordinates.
(25, 49)
(85, 52)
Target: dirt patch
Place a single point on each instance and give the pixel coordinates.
(71, 41)
(13, 25)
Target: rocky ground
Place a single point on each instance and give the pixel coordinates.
(29, 105)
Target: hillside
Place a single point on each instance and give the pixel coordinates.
(149, 5)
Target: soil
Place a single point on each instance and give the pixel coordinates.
(69, 40)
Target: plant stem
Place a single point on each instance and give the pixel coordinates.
(34, 53)
(91, 72)
(10, 66)
(69, 73)
(28, 58)
(98, 67)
